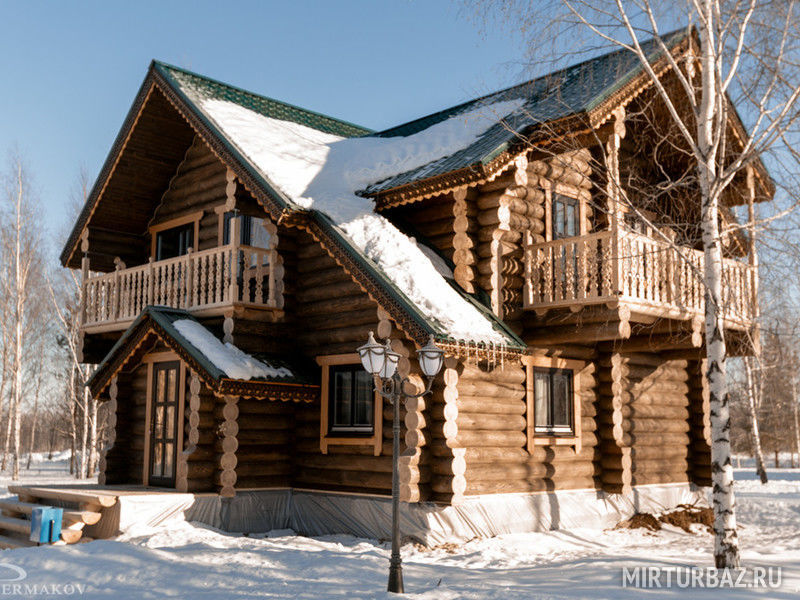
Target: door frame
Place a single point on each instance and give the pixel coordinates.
(150, 359)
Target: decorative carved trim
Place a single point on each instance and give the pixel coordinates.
(458, 464)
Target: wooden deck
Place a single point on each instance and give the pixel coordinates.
(83, 505)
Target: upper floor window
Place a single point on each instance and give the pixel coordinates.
(553, 401)
(174, 242)
(351, 400)
(566, 217)
(251, 231)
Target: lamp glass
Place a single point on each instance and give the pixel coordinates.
(389, 363)
(373, 355)
(431, 358)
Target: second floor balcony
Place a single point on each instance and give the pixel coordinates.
(205, 283)
(650, 275)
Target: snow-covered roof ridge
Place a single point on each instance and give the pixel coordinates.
(229, 359)
(320, 171)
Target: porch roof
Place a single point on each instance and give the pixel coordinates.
(257, 375)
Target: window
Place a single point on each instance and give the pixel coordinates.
(251, 231)
(173, 238)
(553, 401)
(351, 412)
(174, 242)
(566, 217)
(350, 400)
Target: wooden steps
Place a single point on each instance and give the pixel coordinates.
(65, 495)
(81, 507)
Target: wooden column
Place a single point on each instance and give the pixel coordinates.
(449, 482)
(226, 470)
(192, 436)
(464, 226)
(110, 430)
(615, 452)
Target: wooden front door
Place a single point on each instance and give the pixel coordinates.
(164, 424)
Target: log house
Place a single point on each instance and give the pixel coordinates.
(224, 313)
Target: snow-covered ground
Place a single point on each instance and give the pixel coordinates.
(188, 561)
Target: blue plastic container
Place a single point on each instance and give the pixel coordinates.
(46, 524)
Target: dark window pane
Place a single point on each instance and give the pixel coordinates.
(562, 389)
(363, 399)
(168, 450)
(174, 242)
(342, 390)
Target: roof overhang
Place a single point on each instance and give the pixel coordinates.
(152, 326)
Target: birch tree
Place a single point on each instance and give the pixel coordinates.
(743, 48)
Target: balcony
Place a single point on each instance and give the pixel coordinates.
(204, 283)
(649, 275)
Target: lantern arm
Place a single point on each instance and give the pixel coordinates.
(392, 387)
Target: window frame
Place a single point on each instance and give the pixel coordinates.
(551, 428)
(352, 429)
(328, 438)
(551, 438)
(192, 218)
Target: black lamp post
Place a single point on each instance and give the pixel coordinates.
(381, 362)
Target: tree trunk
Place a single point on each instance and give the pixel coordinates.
(796, 410)
(754, 390)
(32, 446)
(73, 430)
(726, 542)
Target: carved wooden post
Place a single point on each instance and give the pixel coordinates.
(151, 276)
(614, 192)
(116, 292)
(188, 275)
(234, 259)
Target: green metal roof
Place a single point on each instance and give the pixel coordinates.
(570, 91)
(303, 372)
(207, 88)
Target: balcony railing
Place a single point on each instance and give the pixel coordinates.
(209, 279)
(651, 274)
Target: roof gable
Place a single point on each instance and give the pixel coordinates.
(223, 368)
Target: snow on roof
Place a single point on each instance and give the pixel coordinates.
(225, 356)
(321, 171)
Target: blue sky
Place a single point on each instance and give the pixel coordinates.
(70, 70)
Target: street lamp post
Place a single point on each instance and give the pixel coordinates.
(381, 362)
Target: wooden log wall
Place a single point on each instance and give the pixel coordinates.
(512, 207)
(483, 417)
(332, 316)
(643, 420)
(198, 184)
(195, 471)
(699, 424)
(124, 461)
(433, 218)
(264, 443)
